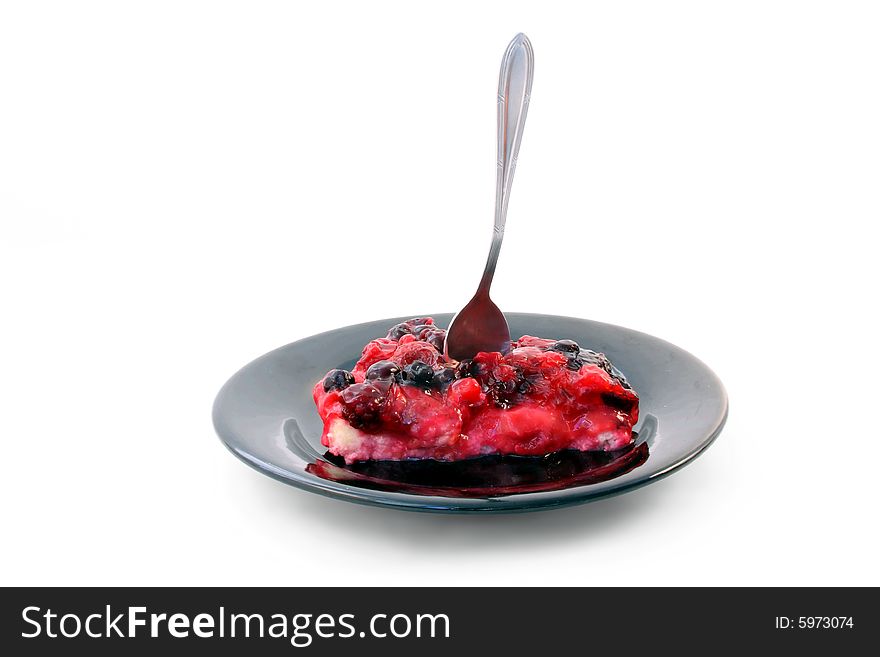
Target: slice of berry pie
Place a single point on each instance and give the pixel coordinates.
(405, 400)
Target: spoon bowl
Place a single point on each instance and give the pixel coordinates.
(479, 326)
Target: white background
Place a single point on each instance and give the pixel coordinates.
(186, 185)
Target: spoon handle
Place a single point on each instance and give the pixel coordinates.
(514, 91)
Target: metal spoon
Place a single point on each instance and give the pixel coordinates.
(480, 325)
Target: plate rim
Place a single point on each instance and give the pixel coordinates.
(514, 503)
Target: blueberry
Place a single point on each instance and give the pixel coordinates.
(501, 393)
(383, 369)
(567, 347)
(417, 373)
(398, 331)
(443, 378)
(338, 380)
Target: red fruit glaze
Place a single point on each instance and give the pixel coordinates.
(542, 396)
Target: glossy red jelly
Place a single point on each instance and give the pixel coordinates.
(405, 400)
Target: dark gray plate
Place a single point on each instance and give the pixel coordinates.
(265, 415)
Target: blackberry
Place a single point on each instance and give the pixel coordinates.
(338, 380)
(597, 359)
(383, 370)
(500, 396)
(505, 388)
(601, 360)
(417, 373)
(568, 347)
(466, 367)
